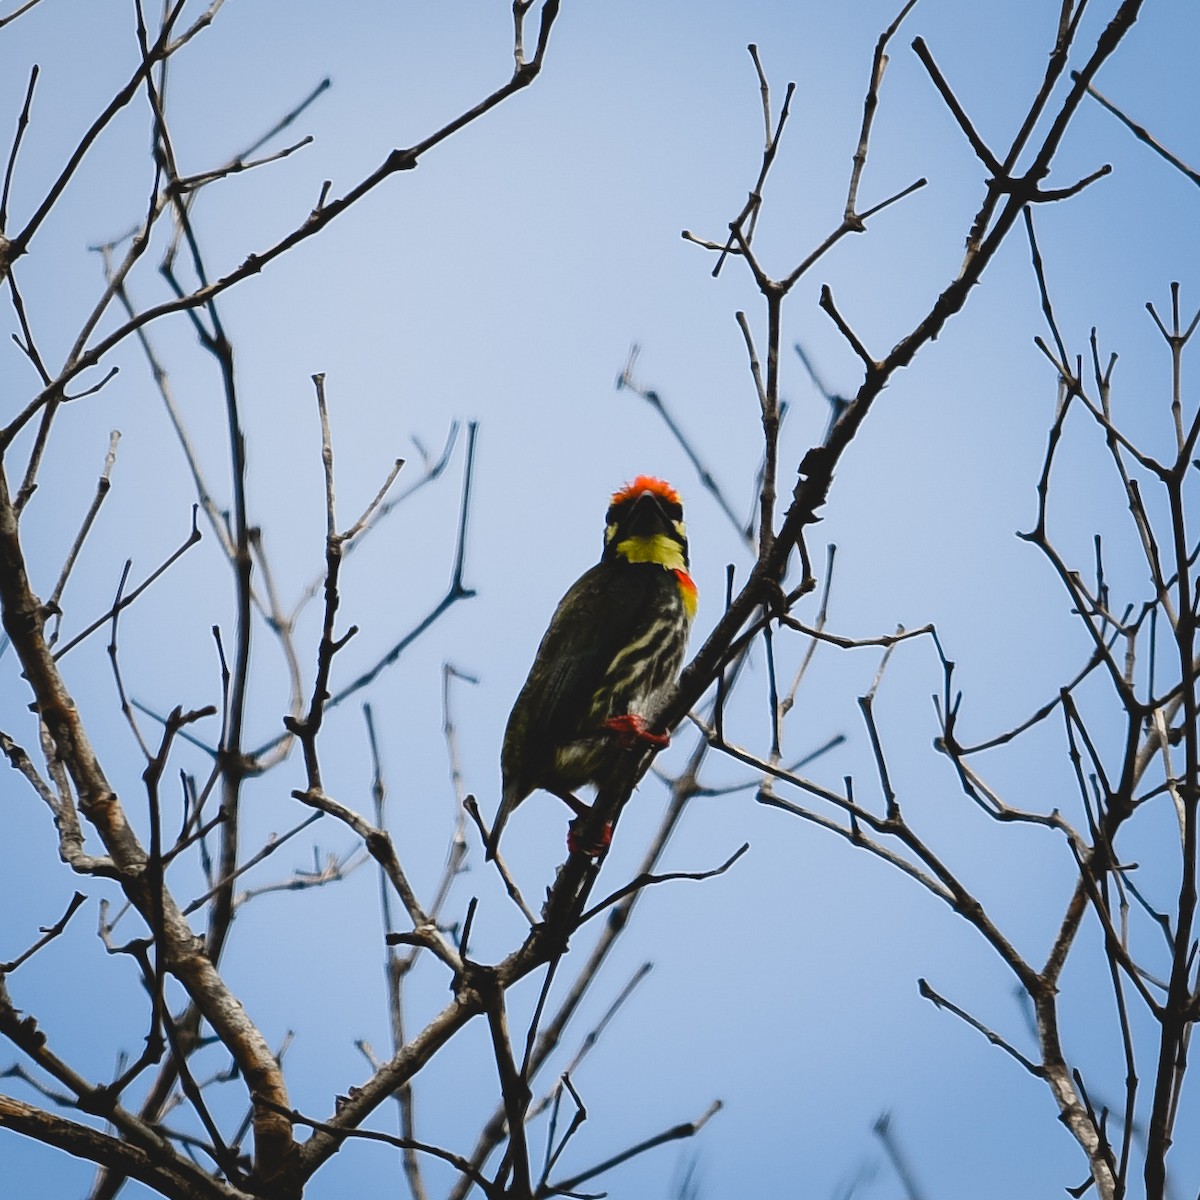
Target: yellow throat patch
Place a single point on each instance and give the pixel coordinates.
(657, 548)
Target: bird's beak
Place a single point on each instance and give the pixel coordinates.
(646, 518)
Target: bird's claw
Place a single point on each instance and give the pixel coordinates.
(631, 729)
(592, 847)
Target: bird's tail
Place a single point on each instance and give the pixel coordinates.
(507, 804)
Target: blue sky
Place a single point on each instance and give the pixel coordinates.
(504, 281)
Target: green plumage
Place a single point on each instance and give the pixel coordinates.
(615, 642)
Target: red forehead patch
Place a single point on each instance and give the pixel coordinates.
(646, 483)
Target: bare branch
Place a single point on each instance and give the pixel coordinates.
(985, 156)
(341, 1134)
(22, 126)
(1143, 135)
(49, 932)
(648, 880)
(102, 487)
(993, 1037)
(129, 597)
(675, 1133)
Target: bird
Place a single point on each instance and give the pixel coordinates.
(614, 645)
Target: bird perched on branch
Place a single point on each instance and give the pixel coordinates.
(614, 645)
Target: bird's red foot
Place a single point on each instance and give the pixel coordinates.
(593, 848)
(631, 729)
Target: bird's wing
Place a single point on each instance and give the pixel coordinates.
(590, 627)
